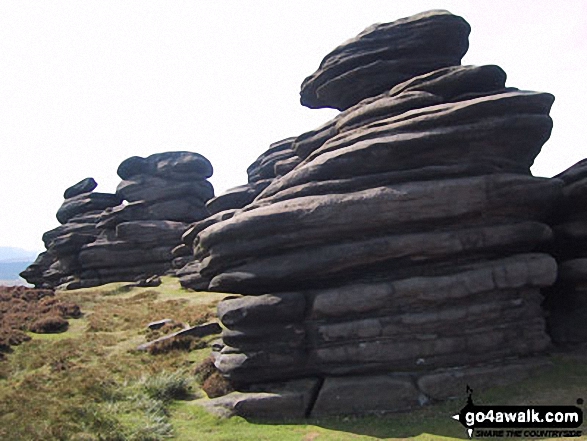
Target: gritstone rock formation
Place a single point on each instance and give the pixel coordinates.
(103, 240)
(388, 258)
(567, 301)
(78, 215)
(33, 274)
(402, 256)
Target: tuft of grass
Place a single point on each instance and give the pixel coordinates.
(123, 314)
(167, 386)
(216, 385)
(204, 369)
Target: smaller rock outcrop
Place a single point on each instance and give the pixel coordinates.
(78, 215)
(198, 331)
(163, 193)
(128, 235)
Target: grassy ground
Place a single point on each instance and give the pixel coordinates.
(90, 383)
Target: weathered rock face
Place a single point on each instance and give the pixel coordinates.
(86, 185)
(407, 240)
(104, 240)
(78, 215)
(171, 185)
(278, 160)
(566, 302)
(384, 55)
(175, 166)
(33, 274)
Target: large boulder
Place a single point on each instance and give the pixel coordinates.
(406, 242)
(384, 55)
(171, 165)
(84, 186)
(82, 203)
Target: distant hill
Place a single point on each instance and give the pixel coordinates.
(13, 254)
(12, 261)
(9, 272)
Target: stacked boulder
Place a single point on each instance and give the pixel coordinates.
(384, 55)
(78, 215)
(128, 235)
(566, 302)
(170, 185)
(402, 257)
(164, 193)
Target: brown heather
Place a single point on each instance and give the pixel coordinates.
(37, 310)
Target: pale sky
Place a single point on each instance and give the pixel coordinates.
(86, 84)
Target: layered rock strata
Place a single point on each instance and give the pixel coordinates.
(278, 160)
(566, 302)
(78, 215)
(384, 55)
(33, 274)
(406, 243)
(103, 240)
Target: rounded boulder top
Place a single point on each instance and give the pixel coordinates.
(179, 165)
(384, 55)
(86, 185)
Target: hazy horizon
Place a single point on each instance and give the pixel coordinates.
(88, 84)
